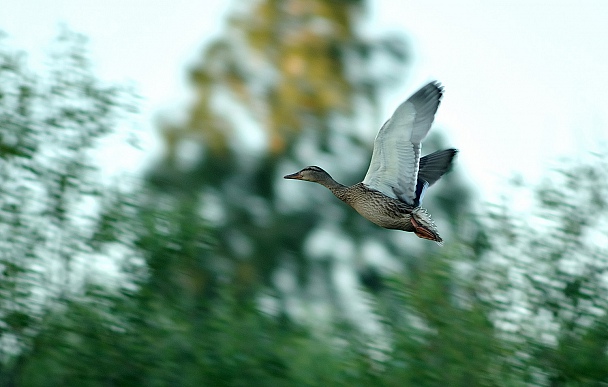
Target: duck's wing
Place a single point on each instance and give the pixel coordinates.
(394, 166)
(435, 165)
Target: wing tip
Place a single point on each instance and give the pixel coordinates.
(435, 85)
(428, 97)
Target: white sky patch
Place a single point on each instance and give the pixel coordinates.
(524, 80)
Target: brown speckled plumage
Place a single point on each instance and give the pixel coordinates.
(375, 206)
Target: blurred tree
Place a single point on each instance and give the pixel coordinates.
(49, 128)
(546, 275)
(290, 83)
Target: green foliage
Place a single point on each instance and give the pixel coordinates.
(449, 339)
(49, 127)
(546, 275)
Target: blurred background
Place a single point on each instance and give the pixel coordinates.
(147, 236)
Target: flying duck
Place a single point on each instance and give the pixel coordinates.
(391, 193)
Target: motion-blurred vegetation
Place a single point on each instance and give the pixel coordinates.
(225, 275)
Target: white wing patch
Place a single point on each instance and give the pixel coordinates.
(393, 169)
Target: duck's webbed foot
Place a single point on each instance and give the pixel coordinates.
(424, 227)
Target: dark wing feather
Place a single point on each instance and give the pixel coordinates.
(435, 165)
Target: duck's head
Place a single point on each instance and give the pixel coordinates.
(312, 173)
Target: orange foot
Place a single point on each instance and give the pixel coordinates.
(425, 233)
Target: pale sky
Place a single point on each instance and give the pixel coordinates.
(525, 80)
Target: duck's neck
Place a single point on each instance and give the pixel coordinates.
(335, 187)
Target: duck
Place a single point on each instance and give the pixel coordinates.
(397, 179)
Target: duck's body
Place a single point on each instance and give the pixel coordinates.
(393, 188)
(374, 205)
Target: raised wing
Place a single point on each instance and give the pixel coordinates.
(394, 166)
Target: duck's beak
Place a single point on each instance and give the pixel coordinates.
(297, 176)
